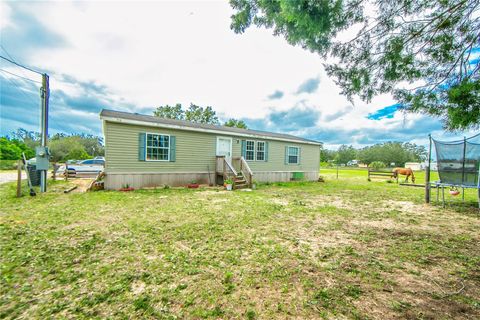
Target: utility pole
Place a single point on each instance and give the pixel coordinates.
(44, 94)
(42, 154)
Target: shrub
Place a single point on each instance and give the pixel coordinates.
(377, 165)
(13, 149)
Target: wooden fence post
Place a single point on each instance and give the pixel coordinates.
(19, 178)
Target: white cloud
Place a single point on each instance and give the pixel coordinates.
(154, 53)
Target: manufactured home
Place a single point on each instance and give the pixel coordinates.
(147, 151)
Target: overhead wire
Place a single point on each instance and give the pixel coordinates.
(22, 91)
(20, 65)
(22, 71)
(8, 54)
(25, 78)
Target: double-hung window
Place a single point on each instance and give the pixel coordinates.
(260, 151)
(158, 147)
(292, 155)
(250, 150)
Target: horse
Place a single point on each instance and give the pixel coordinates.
(403, 171)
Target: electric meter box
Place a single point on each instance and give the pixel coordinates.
(42, 158)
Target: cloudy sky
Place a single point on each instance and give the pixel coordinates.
(133, 56)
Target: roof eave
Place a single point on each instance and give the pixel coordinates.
(185, 128)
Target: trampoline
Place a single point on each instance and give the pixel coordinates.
(458, 165)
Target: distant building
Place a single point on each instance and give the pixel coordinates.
(353, 163)
(416, 166)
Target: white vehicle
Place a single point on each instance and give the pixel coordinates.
(353, 163)
(90, 166)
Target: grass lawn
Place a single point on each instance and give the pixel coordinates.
(342, 249)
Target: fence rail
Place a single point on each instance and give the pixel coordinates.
(380, 174)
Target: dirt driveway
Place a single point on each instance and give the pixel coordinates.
(10, 175)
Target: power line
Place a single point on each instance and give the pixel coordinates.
(15, 83)
(21, 66)
(22, 71)
(8, 54)
(25, 78)
(22, 91)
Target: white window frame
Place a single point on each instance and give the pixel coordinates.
(297, 155)
(146, 146)
(246, 149)
(256, 150)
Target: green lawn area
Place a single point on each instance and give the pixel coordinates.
(342, 249)
(360, 174)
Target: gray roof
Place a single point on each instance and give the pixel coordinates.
(201, 126)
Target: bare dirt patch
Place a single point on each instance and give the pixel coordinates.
(138, 287)
(333, 201)
(81, 183)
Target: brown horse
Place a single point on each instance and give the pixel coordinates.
(404, 172)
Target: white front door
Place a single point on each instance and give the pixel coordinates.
(224, 148)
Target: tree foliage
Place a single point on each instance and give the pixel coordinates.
(194, 113)
(424, 52)
(170, 112)
(12, 149)
(62, 146)
(388, 152)
(30, 138)
(67, 148)
(236, 124)
(90, 144)
(345, 153)
(327, 155)
(392, 152)
(201, 115)
(377, 165)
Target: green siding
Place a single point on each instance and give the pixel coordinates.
(309, 159)
(194, 151)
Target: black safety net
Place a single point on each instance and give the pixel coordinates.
(458, 161)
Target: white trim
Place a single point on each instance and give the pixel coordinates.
(178, 127)
(104, 143)
(288, 155)
(146, 147)
(231, 145)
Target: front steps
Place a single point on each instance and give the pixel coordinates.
(239, 182)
